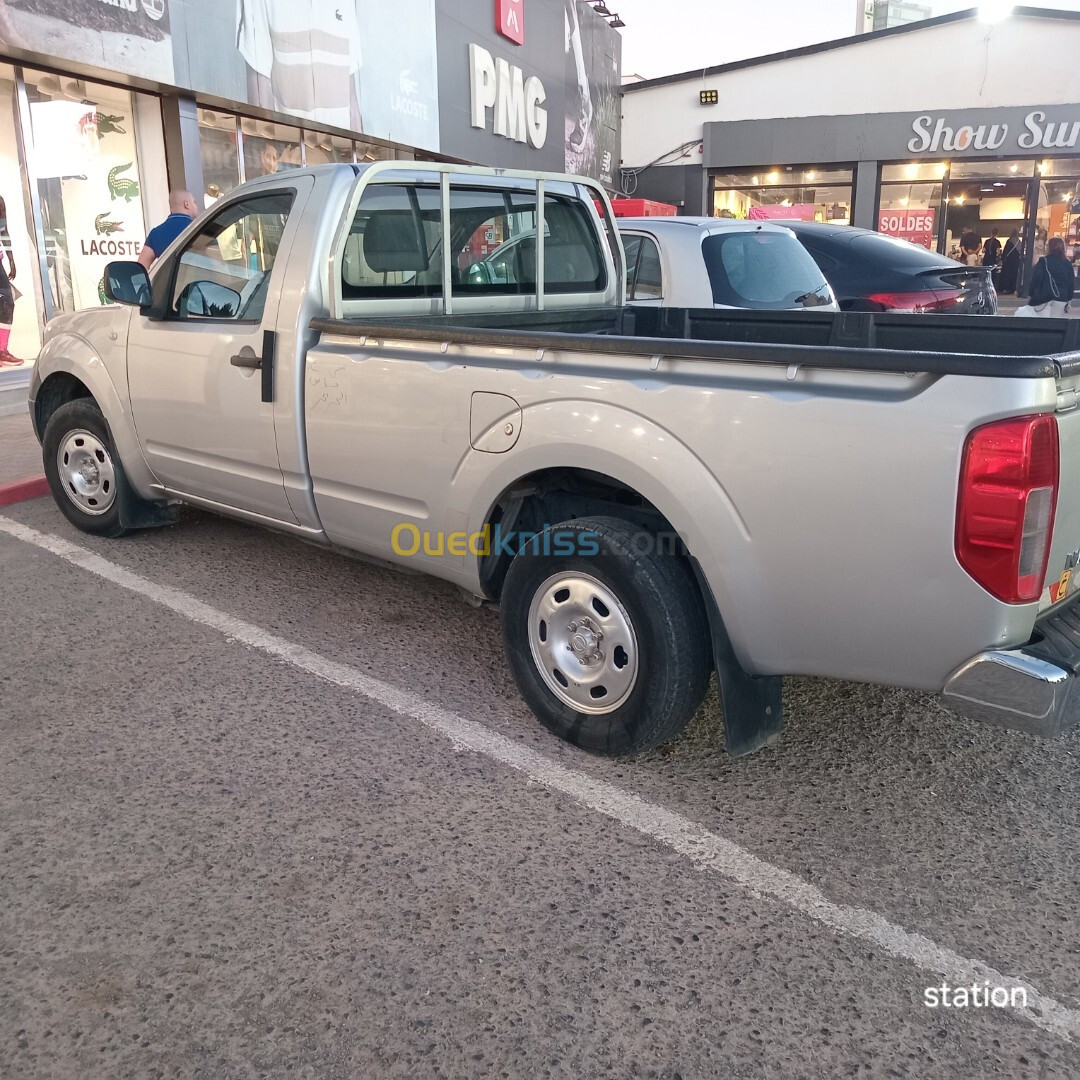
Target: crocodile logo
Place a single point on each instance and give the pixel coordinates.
(104, 227)
(102, 298)
(121, 187)
(105, 123)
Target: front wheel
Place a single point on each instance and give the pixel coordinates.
(85, 474)
(606, 635)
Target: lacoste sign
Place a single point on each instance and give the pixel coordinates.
(1030, 133)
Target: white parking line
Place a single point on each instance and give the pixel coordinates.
(706, 850)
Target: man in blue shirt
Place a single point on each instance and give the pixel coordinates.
(182, 210)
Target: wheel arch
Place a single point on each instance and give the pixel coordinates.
(692, 503)
(67, 369)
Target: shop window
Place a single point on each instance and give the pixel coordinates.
(792, 192)
(323, 149)
(912, 171)
(991, 170)
(910, 212)
(368, 151)
(20, 301)
(1058, 167)
(1058, 214)
(85, 163)
(270, 148)
(218, 151)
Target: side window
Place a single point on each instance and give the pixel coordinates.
(224, 272)
(494, 238)
(394, 247)
(648, 283)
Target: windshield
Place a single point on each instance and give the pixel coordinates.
(761, 270)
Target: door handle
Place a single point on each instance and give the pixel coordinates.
(248, 358)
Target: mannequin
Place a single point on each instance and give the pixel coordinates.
(7, 290)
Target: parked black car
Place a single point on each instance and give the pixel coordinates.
(869, 271)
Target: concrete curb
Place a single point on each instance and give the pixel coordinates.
(30, 487)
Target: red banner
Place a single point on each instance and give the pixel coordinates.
(916, 226)
(510, 20)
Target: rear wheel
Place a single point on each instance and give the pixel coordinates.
(609, 645)
(85, 475)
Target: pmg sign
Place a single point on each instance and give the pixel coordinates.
(510, 20)
(516, 103)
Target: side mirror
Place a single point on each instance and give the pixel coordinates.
(128, 283)
(208, 300)
(479, 274)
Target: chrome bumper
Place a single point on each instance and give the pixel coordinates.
(1032, 688)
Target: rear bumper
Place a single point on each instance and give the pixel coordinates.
(1035, 688)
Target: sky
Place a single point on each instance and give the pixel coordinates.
(663, 37)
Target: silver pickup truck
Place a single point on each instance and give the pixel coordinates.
(650, 493)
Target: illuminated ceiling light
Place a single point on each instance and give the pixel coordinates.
(811, 174)
(994, 11)
(1042, 167)
(773, 177)
(754, 180)
(959, 200)
(911, 170)
(1014, 168)
(904, 201)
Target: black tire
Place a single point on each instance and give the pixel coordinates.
(658, 594)
(121, 505)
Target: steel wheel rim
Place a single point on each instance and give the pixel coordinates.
(86, 472)
(583, 643)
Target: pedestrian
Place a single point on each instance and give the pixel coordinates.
(1010, 264)
(992, 250)
(970, 245)
(182, 211)
(1052, 283)
(8, 293)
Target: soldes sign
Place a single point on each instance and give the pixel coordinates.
(1032, 132)
(916, 226)
(510, 20)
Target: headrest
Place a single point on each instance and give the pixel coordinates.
(392, 243)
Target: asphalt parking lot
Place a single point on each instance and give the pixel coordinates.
(269, 811)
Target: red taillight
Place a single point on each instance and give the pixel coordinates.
(929, 300)
(1005, 513)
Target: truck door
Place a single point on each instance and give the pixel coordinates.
(200, 377)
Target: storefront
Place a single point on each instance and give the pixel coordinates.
(106, 105)
(927, 178)
(987, 142)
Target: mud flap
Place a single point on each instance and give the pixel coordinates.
(753, 704)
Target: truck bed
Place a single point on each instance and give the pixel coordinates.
(861, 341)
